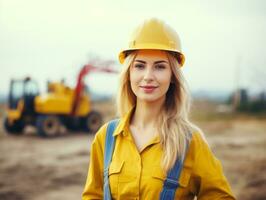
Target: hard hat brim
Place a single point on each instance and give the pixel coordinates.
(123, 54)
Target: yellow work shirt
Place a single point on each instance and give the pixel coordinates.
(138, 175)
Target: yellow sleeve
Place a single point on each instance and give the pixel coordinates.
(212, 183)
(94, 183)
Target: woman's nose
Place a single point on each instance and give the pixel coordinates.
(148, 75)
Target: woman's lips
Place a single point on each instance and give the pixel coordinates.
(148, 89)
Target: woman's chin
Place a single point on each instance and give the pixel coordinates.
(149, 98)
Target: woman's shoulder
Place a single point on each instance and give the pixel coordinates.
(101, 133)
(199, 137)
(198, 144)
(195, 134)
(200, 149)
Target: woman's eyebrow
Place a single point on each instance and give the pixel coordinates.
(141, 61)
(160, 61)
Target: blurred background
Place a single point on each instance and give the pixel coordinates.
(62, 57)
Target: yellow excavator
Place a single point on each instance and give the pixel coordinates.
(60, 106)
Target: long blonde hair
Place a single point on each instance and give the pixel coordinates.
(174, 126)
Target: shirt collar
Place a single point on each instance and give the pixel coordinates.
(123, 125)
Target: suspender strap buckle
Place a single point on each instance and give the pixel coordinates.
(170, 183)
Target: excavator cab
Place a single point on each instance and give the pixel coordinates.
(23, 90)
(22, 93)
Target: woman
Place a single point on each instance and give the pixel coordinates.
(158, 153)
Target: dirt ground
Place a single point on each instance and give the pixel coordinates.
(33, 168)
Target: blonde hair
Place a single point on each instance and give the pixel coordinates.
(174, 126)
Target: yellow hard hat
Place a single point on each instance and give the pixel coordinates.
(154, 34)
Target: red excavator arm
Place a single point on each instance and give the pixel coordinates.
(80, 83)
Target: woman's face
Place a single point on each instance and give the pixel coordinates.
(150, 75)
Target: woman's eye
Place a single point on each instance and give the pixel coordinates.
(139, 66)
(160, 67)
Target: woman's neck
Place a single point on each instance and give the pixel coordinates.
(146, 114)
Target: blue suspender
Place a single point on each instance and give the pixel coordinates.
(171, 182)
(109, 148)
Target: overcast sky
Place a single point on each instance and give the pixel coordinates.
(53, 39)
